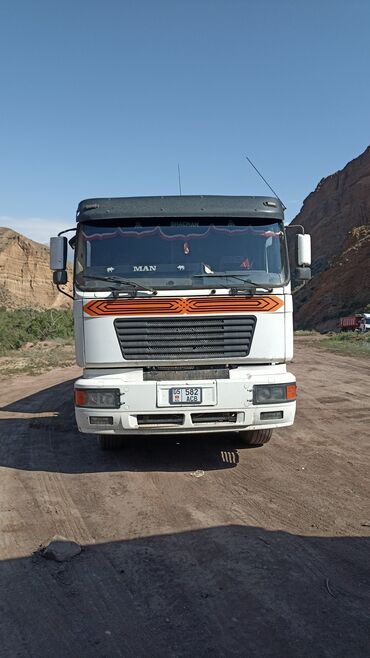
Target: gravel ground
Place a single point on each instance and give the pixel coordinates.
(265, 554)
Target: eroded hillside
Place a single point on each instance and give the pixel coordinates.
(337, 215)
(25, 277)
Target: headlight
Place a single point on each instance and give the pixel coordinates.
(97, 398)
(274, 393)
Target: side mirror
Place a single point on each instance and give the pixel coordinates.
(60, 277)
(302, 273)
(304, 250)
(58, 253)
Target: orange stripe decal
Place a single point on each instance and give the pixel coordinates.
(183, 305)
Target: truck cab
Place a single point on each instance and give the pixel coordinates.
(365, 322)
(183, 316)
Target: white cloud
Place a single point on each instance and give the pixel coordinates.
(36, 228)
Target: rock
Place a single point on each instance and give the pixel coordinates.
(26, 346)
(25, 276)
(61, 549)
(197, 474)
(337, 215)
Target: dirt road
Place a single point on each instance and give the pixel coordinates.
(266, 554)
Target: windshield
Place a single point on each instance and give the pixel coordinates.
(181, 253)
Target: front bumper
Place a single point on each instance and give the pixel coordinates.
(143, 411)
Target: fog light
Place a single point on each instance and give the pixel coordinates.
(271, 415)
(98, 398)
(101, 420)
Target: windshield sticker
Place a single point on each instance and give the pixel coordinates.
(161, 232)
(184, 224)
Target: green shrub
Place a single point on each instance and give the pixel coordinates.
(353, 343)
(21, 326)
(306, 332)
(352, 336)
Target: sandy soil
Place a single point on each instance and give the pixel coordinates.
(266, 554)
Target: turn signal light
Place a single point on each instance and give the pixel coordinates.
(291, 392)
(80, 397)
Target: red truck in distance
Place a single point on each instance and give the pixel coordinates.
(350, 323)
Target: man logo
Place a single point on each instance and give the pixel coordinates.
(144, 268)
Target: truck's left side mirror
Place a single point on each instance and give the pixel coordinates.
(303, 271)
(58, 253)
(304, 250)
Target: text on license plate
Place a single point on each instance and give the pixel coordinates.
(186, 395)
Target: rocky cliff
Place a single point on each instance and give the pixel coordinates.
(337, 215)
(25, 277)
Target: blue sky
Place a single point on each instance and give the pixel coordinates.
(105, 98)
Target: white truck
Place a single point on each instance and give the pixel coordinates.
(183, 315)
(365, 322)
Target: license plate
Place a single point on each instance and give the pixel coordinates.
(186, 395)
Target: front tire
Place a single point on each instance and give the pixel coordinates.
(255, 437)
(109, 442)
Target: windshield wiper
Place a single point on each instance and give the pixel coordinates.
(232, 276)
(255, 285)
(116, 279)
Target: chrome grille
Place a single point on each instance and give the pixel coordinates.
(185, 338)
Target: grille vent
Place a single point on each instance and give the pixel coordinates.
(143, 339)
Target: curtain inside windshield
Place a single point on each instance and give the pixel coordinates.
(182, 250)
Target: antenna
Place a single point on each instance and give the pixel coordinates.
(179, 176)
(265, 181)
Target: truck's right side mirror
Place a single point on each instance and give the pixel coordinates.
(303, 271)
(58, 253)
